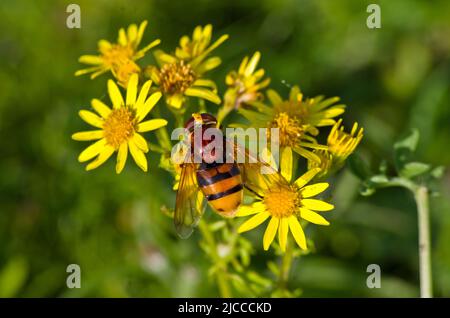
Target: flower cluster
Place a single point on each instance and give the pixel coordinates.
(179, 78)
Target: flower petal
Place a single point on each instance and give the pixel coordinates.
(100, 108)
(313, 189)
(305, 178)
(317, 205)
(151, 124)
(297, 232)
(313, 217)
(286, 163)
(88, 135)
(114, 94)
(91, 151)
(102, 157)
(202, 93)
(91, 118)
(140, 142)
(148, 105)
(245, 210)
(132, 89)
(138, 155)
(270, 232)
(143, 94)
(283, 233)
(176, 100)
(121, 157)
(253, 222)
(252, 64)
(91, 59)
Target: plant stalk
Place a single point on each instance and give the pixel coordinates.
(426, 283)
(285, 269)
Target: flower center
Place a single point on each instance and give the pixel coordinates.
(282, 202)
(176, 77)
(116, 54)
(123, 69)
(119, 126)
(290, 129)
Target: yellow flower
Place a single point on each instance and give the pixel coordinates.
(181, 75)
(286, 204)
(120, 57)
(245, 84)
(340, 146)
(120, 127)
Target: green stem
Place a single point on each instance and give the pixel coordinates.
(221, 274)
(421, 196)
(286, 263)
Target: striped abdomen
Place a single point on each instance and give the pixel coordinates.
(221, 183)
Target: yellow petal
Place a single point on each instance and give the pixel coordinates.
(114, 94)
(245, 210)
(88, 135)
(202, 93)
(317, 205)
(102, 157)
(122, 39)
(313, 217)
(252, 64)
(132, 33)
(270, 232)
(91, 118)
(140, 142)
(205, 83)
(151, 124)
(132, 89)
(297, 232)
(176, 100)
(253, 222)
(283, 233)
(141, 31)
(313, 189)
(305, 178)
(286, 163)
(208, 65)
(100, 108)
(148, 105)
(89, 70)
(138, 155)
(143, 94)
(121, 157)
(91, 59)
(144, 50)
(91, 151)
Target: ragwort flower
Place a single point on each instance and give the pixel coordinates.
(297, 119)
(181, 75)
(120, 127)
(340, 145)
(286, 204)
(120, 57)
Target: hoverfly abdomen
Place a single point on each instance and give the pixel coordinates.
(221, 183)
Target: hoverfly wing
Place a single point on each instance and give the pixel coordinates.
(258, 175)
(190, 202)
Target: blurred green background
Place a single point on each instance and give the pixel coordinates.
(53, 213)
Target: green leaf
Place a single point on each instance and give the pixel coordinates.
(409, 142)
(414, 169)
(437, 172)
(404, 149)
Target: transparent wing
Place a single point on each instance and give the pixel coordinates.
(190, 202)
(257, 175)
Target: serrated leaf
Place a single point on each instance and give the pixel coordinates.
(414, 169)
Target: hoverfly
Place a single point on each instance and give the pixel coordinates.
(218, 182)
